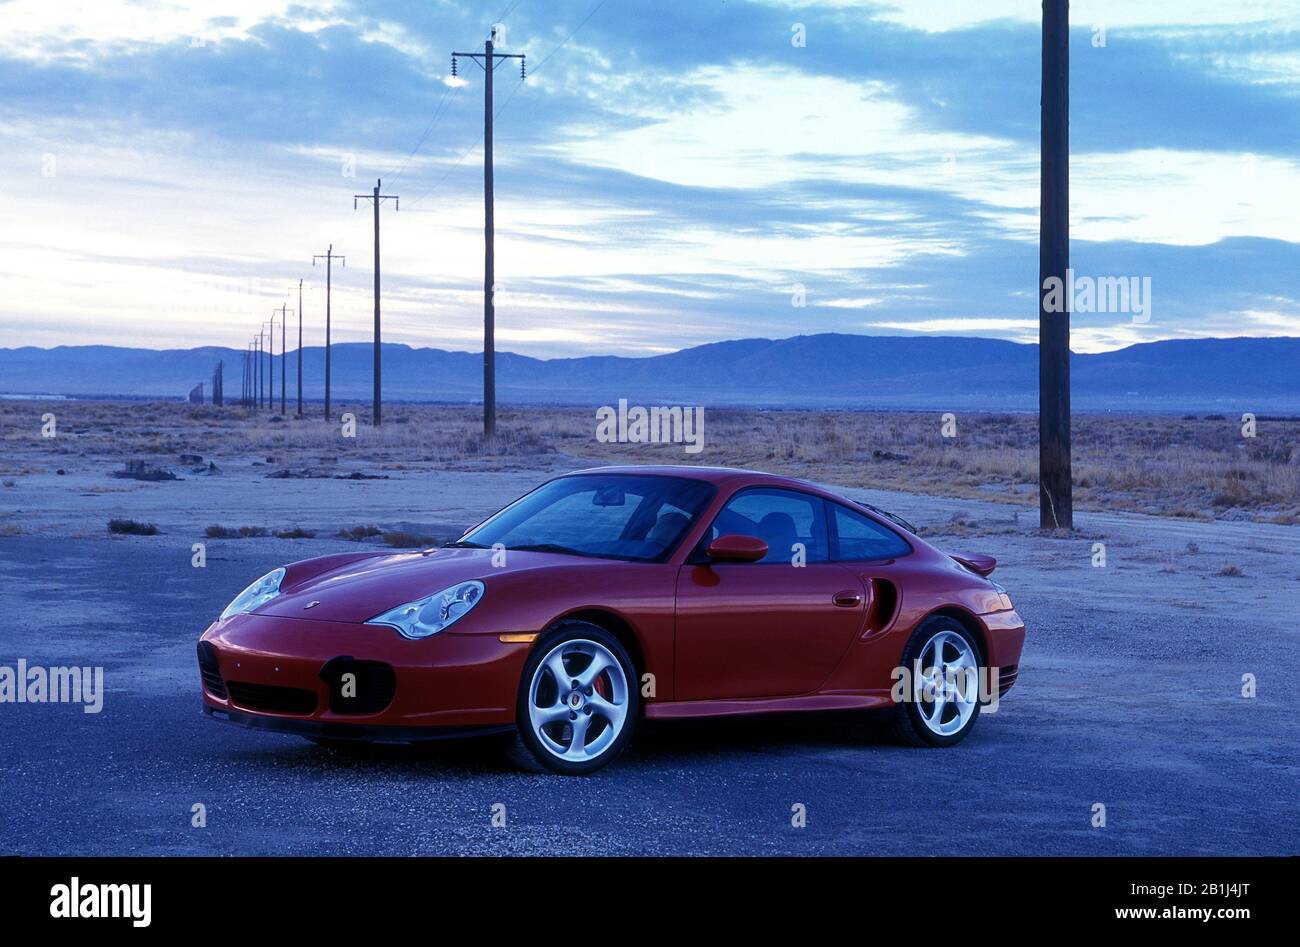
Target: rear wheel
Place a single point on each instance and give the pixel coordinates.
(578, 703)
(942, 705)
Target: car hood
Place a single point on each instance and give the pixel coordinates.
(361, 587)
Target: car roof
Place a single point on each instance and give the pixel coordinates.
(740, 477)
(714, 475)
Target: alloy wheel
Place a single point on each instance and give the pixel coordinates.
(578, 700)
(947, 689)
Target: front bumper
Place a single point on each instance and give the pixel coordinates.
(289, 674)
(362, 733)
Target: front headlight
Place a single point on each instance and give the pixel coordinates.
(430, 615)
(259, 593)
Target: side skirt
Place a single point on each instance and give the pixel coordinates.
(682, 709)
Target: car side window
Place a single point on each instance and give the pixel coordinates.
(859, 537)
(783, 519)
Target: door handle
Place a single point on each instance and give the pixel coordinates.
(847, 599)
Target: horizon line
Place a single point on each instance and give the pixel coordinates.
(543, 358)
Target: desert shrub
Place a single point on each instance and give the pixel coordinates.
(296, 533)
(358, 533)
(132, 528)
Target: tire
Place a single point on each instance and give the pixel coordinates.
(914, 723)
(552, 717)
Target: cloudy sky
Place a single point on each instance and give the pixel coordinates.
(665, 177)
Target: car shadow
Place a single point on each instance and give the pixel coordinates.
(468, 756)
(674, 742)
(666, 744)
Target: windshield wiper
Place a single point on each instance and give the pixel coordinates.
(547, 547)
(463, 544)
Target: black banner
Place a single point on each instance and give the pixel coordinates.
(330, 895)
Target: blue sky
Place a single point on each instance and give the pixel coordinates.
(664, 178)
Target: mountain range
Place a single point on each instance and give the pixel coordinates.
(827, 370)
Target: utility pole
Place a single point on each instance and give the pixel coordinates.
(329, 258)
(260, 331)
(300, 348)
(284, 352)
(270, 362)
(376, 199)
(243, 379)
(1056, 503)
(487, 61)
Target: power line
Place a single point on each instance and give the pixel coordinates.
(507, 11)
(455, 164)
(594, 11)
(439, 110)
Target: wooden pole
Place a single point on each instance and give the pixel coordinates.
(489, 277)
(1056, 505)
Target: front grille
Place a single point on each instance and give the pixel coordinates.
(209, 671)
(369, 691)
(1006, 677)
(268, 697)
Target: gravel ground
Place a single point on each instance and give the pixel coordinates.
(1129, 696)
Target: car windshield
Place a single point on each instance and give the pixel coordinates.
(611, 516)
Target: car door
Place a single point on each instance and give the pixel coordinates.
(772, 628)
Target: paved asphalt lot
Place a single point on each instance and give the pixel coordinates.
(1127, 697)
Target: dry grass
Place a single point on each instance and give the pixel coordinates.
(1196, 467)
(226, 532)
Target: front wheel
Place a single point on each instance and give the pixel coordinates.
(578, 703)
(942, 700)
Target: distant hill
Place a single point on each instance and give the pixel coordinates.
(928, 372)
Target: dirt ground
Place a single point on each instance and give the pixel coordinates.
(1130, 696)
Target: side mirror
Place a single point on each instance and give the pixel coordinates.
(737, 548)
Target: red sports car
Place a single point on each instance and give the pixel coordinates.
(609, 595)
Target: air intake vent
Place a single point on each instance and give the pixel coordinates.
(272, 699)
(885, 606)
(370, 689)
(209, 671)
